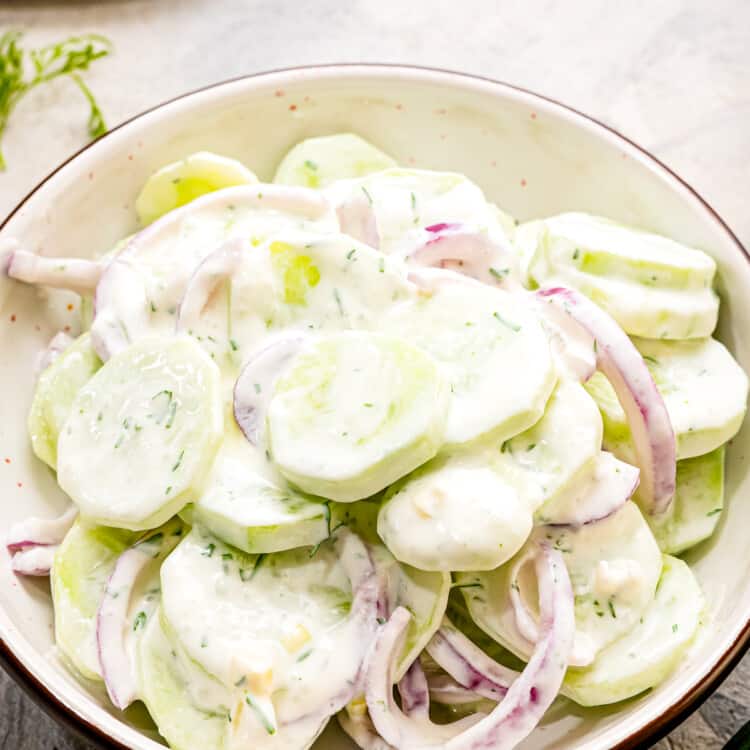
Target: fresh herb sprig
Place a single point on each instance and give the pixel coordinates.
(22, 70)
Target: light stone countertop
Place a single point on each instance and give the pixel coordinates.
(673, 75)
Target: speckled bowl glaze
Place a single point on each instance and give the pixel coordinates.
(531, 155)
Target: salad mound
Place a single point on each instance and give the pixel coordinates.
(357, 430)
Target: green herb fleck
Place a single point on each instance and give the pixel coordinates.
(367, 194)
(499, 273)
(337, 297)
(675, 628)
(508, 324)
(179, 460)
(381, 265)
(611, 606)
(234, 345)
(265, 722)
(304, 655)
(311, 165)
(351, 253)
(209, 550)
(140, 620)
(576, 253)
(713, 512)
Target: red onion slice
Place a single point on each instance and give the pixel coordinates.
(111, 619)
(357, 219)
(75, 274)
(254, 387)
(468, 664)
(393, 725)
(34, 561)
(40, 532)
(444, 689)
(215, 268)
(414, 691)
(525, 702)
(620, 361)
(120, 308)
(468, 250)
(57, 345)
(361, 730)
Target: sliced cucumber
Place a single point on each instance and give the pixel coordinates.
(651, 285)
(55, 392)
(141, 290)
(697, 505)
(704, 389)
(299, 281)
(182, 181)
(247, 504)
(79, 574)
(164, 682)
(283, 621)
(317, 162)
(406, 200)
(651, 651)
(374, 407)
(474, 332)
(559, 449)
(142, 433)
(424, 520)
(614, 566)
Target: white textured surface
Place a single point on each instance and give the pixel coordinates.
(673, 75)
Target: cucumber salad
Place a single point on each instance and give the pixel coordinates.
(356, 429)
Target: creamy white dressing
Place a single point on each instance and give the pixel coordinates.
(393, 365)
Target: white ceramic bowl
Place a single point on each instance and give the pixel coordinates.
(531, 155)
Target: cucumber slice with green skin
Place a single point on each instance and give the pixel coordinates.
(703, 387)
(79, 575)
(191, 709)
(248, 504)
(183, 181)
(141, 290)
(373, 406)
(651, 285)
(285, 619)
(424, 523)
(55, 393)
(298, 281)
(155, 406)
(560, 449)
(404, 201)
(474, 331)
(601, 247)
(163, 682)
(651, 651)
(614, 566)
(317, 162)
(697, 505)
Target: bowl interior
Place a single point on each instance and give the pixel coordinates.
(530, 156)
